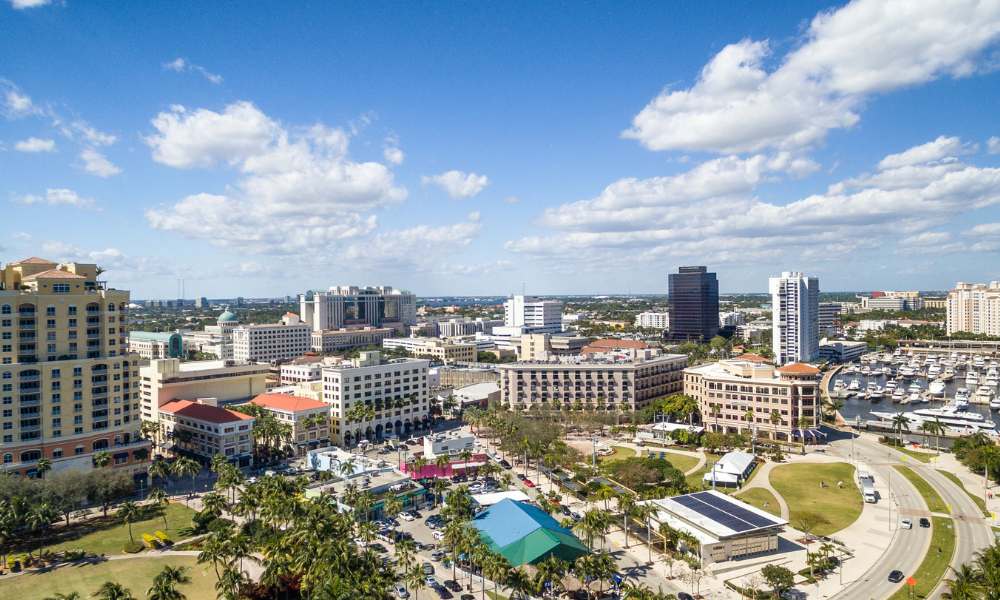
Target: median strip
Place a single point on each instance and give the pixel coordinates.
(931, 497)
(978, 500)
(935, 563)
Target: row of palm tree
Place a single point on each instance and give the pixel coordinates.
(164, 587)
(978, 580)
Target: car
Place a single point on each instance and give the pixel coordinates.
(401, 591)
(437, 555)
(529, 483)
(439, 535)
(924, 522)
(521, 476)
(252, 480)
(684, 596)
(453, 585)
(429, 581)
(896, 576)
(406, 516)
(467, 597)
(906, 524)
(565, 511)
(378, 548)
(443, 593)
(427, 568)
(505, 464)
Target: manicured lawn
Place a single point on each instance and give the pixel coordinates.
(758, 497)
(694, 480)
(931, 497)
(830, 508)
(618, 453)
(977, 499)
(111, 536)
(135, 573)
(935, 563)
(682, 462)
(924, 457)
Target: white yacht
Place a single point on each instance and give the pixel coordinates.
(906, 371)
(914, 397)
(854, 386)
(876, 394)
(948, 374)
(983, 395)
(958, 420)
(934, 370)
(890, 385)
(898, 395)
(962, 395)
(995, 403)
(915, 388)
(978, 362)
(936, 388)
(971, 378)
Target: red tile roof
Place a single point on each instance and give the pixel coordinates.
(613, 344)
(287, 402)
(203, 412)
(34, 260)
(55, 274)
(751, 357)
(798, 369)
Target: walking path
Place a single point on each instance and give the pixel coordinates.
(763, 480)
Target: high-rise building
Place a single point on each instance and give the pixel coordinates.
(69, 387)
(653, 320)
(288, 339)
(344, 306)
(974, 308)
(533, 314)
(829, 313)
(794, 317)
(694, 304)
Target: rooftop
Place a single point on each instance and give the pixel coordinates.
(711, 516)
(33, 260)
(798, 369)
(287, 402)
(203, 412)
(54, 274)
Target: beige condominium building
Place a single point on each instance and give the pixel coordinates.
(203, 429)
(434, 348)
(308, 419)
(338, 340)
(617, 381)
(395, 390)
(68, 386)
(170, 379)
(754, 398)
(274, 342)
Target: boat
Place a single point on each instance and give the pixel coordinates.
(854, 386)
(954, 418)
(948, 374)
(978, 362)
(936, 388)
(866, 370)
(898, 395)
(906, 371)
(934, 370)
(914, 397)
(890, 385)
(983, 395)
(876, 394)
(995, 403)
(915, 388)
(971, 378)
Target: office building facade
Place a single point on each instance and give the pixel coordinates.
(345, 306)
(533, 314)
(273, 342)
(169, 379)
(69, 386)
(794, 317)
(694, 304)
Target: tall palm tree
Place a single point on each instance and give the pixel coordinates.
(520, 584)
(964, 585)
(186, 467)
(158, 497)
(129, 513)
(165, 584)
(101, 459)
(549, 575)
(937, 429)
(496, 568)
(626, 506)
(900, 424)
(159, 469)
(42, 467)
(112, 590)
(414, 577)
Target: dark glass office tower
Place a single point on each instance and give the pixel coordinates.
(694, 304)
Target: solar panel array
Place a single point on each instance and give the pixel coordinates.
(724, 512)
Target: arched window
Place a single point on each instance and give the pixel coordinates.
(100, 445)
(8, 458)
(31, 455)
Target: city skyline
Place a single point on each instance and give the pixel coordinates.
(477, 150)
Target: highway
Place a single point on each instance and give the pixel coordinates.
(908, 547)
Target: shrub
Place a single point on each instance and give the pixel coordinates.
(132, 548)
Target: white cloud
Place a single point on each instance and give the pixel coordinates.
(84, 132)
(393, 155)
(739, 104)
(414, 247)
(16, 103)
(181, 65)
(23, 4)
(96, 163)
(34, 144)
(57, 197)
(297, 191)
(942, 147)
(712, 213)
(458, 184)
(512, 200)
(993, 145)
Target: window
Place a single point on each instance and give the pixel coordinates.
(50, 311)
(5, 309)
(60, 288)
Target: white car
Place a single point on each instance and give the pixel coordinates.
(406, 516)
(439, 535)
(906, 524)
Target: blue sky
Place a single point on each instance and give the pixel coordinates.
(472, 148)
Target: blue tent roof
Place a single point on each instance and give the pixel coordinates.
(524, 533)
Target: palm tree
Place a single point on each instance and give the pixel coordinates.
(101, 459)
(186, 467)
(626, 506)
(112, 590)
(157, 497)
(414, 577)
(496, 568)
(519, 583)
(899, 424)
(42, 467)
(550, 573)
(159, 469)
(964, 585)
(129, 513)
(937, 429)
(165, 584)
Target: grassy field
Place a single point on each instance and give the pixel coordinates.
(935, 564)
(694, 480)
(931, 497)
(830, 508)
(110, 537)
(682, 462)
(135, 573)
(757, 497)
(977, 499)
(924, 457)
(618, 453)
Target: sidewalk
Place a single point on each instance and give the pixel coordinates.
(973, 483)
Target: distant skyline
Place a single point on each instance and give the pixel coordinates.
(471, 149)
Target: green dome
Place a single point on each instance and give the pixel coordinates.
(227, 317)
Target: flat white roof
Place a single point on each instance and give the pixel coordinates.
(494, 497)
(668, 427)
(710, 529)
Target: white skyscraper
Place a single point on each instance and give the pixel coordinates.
(536, 316)
(795, 316)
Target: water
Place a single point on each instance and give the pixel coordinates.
(859, 406)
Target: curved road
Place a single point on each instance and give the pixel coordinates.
(907, 549)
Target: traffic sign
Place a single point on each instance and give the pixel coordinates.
(910, 581)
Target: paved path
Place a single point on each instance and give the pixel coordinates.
(763, 480)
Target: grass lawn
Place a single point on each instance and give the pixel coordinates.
(694, 480)
(757, 497)
(931, 497)
(924, 457)
(135, 573)
(831, 508)
(935, 564)
(109, 537)
(682, 462)
(618, 453)
(977, 499)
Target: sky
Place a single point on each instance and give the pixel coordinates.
(460, 148)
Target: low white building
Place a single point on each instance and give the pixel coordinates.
(450, 444)
(731, 470)
(477, 394)
(841, 351)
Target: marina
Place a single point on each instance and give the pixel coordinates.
(958, 390)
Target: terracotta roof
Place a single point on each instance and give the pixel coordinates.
(55, 274)
(613, 344)
(798, 369)
(751, 357)
(34, 260)
(287, 402)
(203, 412)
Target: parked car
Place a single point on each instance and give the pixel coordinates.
(505, 464)
(406, 516)
(529, 483)
(427, 568)
(896, 576)
(565, 511)
(439, 535)
(442, 593)
(521, 476)
(401, 591)
(906, 524)
(453, 585)
(924, 522)
(437, 555)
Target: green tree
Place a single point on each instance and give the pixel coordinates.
(129, 512)
(779, 578)
(111, 590)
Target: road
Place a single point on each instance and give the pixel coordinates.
(908, 547)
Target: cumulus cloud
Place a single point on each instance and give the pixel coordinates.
(56, 197)
(297, 189)
(182, 65)
(23, 4)
(458, 184)
(414, 246)
(712, 211)
(740, 104)
(941, 148)
(391, 152)
(34, 145)
(96, 163)
(993, 145)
